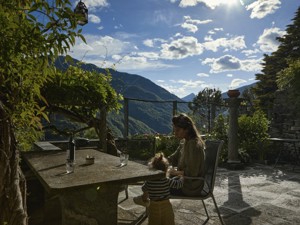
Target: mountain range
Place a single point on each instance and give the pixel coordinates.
(224, 95)
(150, 106)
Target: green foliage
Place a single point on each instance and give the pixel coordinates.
(166, 144)
(289, 80)
(206, 105)
(33, 33)
(90, 134)
(81, 91)
(143, 146)
(219, 132)
(276, 62)
(249, 97)
(253, 134)
(81, 96)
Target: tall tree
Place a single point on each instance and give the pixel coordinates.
(288, 49)
(206, 104)
(33, 33)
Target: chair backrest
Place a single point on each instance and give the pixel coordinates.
(212, 150)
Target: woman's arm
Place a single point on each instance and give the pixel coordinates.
(174, 158)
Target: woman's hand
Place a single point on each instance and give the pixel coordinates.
(174, 172)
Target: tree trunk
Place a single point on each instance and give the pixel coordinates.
(13, 185)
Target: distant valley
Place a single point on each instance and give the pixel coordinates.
(144, 117)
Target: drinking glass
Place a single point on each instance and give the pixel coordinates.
(70, 166)
(124, 159)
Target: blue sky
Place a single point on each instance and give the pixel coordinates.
(185, 45)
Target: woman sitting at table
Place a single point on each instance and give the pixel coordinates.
(189, 156)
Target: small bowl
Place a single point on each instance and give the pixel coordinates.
(89, 160)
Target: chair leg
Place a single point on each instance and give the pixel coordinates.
(205, 212)
(124, 188)
(217, 209)
(126, 191)
(142, 217)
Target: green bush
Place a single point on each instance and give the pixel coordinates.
(253, 133)
(143, 146)
(219, 132)
(166, 144)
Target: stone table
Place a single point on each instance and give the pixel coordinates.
(90, 194)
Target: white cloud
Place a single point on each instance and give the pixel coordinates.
(152, 42)
(209, 3)
(94, 19)
(182, 88)
(212, 4)
(267, 41)
(261, 8)
(231, 63)
(98, 47)
(215, 30)
(235, 43)
(188, 19)
(94, 4)
(191, 83)
(229, 75)
(125, 35)
(190, 27)
(202, 75)
(251, 52)
(174, 89)
(137, 63)
(149, 55)
(181, 48)
(191, 24)
(148, 43)
(236, 83)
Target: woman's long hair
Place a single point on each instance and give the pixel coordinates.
(185, 122)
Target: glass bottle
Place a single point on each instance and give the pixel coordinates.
(70, 156)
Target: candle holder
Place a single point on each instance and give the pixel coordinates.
(89, 160)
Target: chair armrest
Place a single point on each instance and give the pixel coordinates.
(193, 178)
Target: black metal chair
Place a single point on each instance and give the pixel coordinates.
(212, 150)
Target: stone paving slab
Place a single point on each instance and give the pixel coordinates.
(258, 195)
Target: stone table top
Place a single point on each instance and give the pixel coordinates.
(49, 166)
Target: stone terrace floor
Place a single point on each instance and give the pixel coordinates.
(258, 194)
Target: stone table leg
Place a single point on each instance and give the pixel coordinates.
(93, 205)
